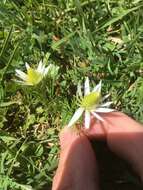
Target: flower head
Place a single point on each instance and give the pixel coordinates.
(33, 76)
(90, 103)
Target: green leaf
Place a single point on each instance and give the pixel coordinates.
(113, 20)
(6, 41)
(7, 138)
(5, 104)
(56, 45)
(39, 151)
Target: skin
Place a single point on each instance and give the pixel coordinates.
(77, 169)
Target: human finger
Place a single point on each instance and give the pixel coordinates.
(77, 169)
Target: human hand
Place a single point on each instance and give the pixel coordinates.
(77, 166)
(124, 136)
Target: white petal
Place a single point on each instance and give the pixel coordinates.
(86, 87)
(76, 116)
(79, 92)
(40, 66)
(97, 116)
(87, 119)
(47, 69)
(27, 66)
(105, 97)
(19, 81)
(23, 83)
(104, 110)
(97, 88)
(106, 104)
(21, 74)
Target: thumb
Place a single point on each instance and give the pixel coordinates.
(77, 163)
(68, 136)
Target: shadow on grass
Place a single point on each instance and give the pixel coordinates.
(115, 173)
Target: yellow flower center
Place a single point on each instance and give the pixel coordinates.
(34, 77)
(91, 100)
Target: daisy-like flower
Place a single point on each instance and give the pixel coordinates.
(33, 76)
(90, 103)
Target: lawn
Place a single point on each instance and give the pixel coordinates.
(99, 39)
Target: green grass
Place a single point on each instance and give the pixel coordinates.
(80, 37)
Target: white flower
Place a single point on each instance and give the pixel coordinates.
(90, 104)
(33, 76)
